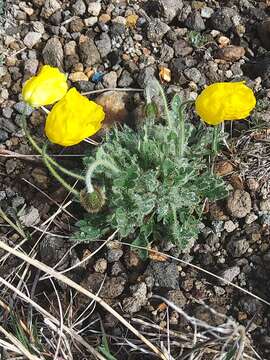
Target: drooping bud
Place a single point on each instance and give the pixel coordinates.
(92, 202)
(151, 110)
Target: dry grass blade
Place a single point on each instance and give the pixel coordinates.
(61, 322)
(46, 222)
(230, 334)
(87, 293)
(18, 344)
(51, 318)
(86, 258)
(7, 346)
(49, 197)
(12, 154)
(11, 223)
(111, 89)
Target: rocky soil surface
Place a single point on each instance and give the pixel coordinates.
(119, 43)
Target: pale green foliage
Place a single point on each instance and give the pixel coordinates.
(1, 8)
(197, 39)
(157, 193)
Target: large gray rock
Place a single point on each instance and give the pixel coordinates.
(230, 274)
(134, 303)
(31, 39)
(222, 19)
(79, 7)
(53, 53)
(156, 30)
(104, 44)
(239, 203)
(50, 7)
(164, 274)
(264, 33)
(195, 22)
(237, 248)
(170, 8)
(146, 74)
(88, 51)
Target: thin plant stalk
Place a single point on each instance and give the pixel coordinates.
(182, 126)
(215, 140)
(182, 132)
(56, 175)
(165, 103)
(92, 168)
(11, 223)
(216, 132)
(49, 159)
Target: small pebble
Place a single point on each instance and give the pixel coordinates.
(101, 266)
(94, 8)
(78, 76)
(231, 53)
(206, 12)
(31, 39)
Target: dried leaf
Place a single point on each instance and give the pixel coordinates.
(132, 20)
(223, 168)
(156, 256)
(162, 307)
(165, 74)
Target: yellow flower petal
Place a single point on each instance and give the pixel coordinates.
(73, 119)
(49, 86)
(225, 101)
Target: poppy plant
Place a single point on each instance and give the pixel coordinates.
(225, 101)
(73, 119)
(49, 86)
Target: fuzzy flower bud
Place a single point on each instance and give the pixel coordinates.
(92, 202)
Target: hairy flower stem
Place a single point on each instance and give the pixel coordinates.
(91, 169)
(45, 110)
(49, 159)
(165, 103)
(215, 146)
(56, 175)
(215, 140)
(182, 127)
(174, 217)
(182, 133)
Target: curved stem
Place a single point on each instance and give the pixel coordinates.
(91, 169)
(182, 132)
(215, 140)
(182, 126)
(215, 145)
(166, 107)
(45, 110)
(56, 175)
(174, 218)
(53, 162)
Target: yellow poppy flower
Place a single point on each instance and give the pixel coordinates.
(225, 101)
(49, 86)
(73, 119)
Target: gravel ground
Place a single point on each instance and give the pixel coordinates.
(119, 43)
